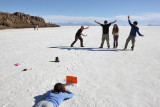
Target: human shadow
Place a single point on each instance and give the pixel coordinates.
(88, 49)
(67, 84)
(107, 50)
(52, 61)
(40, 98)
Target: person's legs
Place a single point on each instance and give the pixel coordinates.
(48, 104)
(44, 104)
(76, 38)
(103, 39)
(114, 42)
(107, 39)
(81, 40)
(133, 42)
(127, 41)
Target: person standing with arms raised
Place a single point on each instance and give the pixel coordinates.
(132, 34)
(105, 35)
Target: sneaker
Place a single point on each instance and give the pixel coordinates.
(100, 47)
(108, 47)
(82, 46)
(71, 46)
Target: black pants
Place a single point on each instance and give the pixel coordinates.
(115, 43)
(76, 38)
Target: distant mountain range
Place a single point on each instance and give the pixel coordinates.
(21, 20)
(77, 24)
(152, 25)
(92, 24)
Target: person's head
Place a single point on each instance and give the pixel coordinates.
(115, 28)
(135, 23)
(59, 87)
(105, 22)
(82, 27)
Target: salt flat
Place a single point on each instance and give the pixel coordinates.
(106, 77)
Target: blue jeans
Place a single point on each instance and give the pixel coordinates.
(44, 104)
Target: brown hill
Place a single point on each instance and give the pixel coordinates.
(21, 20)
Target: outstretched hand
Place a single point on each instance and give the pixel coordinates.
(84, 35)
(128, 17)
(87, 27)
(65, 88)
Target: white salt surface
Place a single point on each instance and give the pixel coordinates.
(106, 77)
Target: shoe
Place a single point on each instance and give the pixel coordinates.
(124, 49)
(71, 46)
(132, 48)
(100, 47)
(108, 47)
(82, 46)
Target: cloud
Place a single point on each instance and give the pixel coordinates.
(66, 19)
(145, 19)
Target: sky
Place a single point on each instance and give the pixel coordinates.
(86, 11)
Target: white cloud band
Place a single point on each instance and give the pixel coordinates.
(145, 19)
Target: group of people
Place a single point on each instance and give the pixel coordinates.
(60, 92)
(115, 32)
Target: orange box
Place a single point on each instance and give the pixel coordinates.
(68, 79)
(71, 79)
(74, 80)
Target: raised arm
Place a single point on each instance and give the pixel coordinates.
(129, 21)
(97, 22)
(86, 27)
(113, 22)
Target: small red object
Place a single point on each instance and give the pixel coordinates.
(17, 64)
(71, 79)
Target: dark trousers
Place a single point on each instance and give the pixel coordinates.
(132, 38)
(76, 38)
(115, 43)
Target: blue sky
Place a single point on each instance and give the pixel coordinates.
(81, 11)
